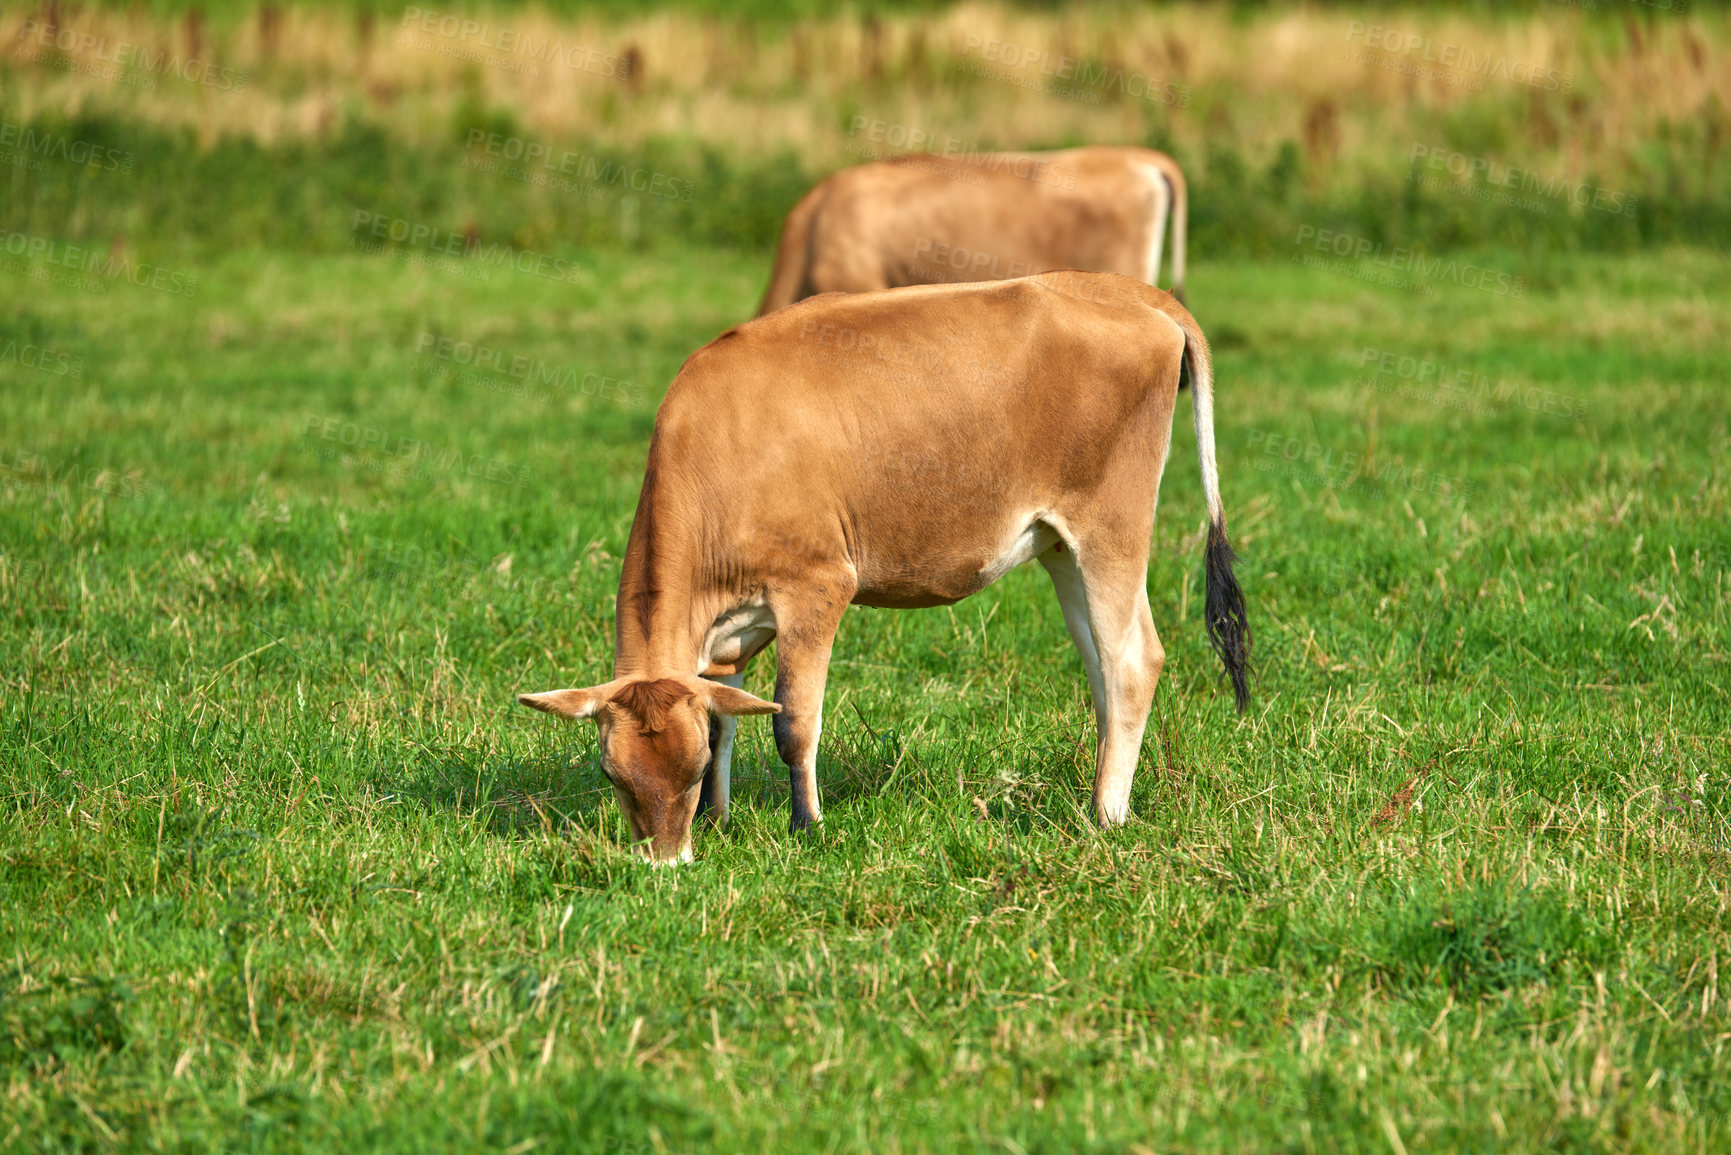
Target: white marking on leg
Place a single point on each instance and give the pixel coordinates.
(808, 766)
(1131, 660)
(1073, 600)
(723, 752)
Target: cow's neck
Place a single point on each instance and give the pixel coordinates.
(657, 630)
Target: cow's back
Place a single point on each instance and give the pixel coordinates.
(939, 415)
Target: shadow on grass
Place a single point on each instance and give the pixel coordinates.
(513, 795)
(854, 764)
(564, 793)
(1017, 786)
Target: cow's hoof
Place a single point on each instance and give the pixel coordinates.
(1109, 817)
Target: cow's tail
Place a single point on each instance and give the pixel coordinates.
(1228, 628)
(792, 255)
(1174, 178)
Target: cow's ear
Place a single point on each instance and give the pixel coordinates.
(733, 703)
(569, 703)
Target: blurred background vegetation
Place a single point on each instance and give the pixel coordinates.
(298, 117)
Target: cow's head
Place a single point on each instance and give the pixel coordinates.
(654, 748)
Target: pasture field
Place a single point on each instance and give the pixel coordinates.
(1594, 126)
(282, 866)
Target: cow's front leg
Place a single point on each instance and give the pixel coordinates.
(712, 798)
(806, 620)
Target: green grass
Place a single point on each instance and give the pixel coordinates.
(170, 188)
(282, 866)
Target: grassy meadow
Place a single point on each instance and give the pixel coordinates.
(289, 514)
(283, 867)
(1602, 128)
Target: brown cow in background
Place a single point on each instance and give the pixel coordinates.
(924, 219)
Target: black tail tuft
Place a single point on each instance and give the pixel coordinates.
(1228, 628)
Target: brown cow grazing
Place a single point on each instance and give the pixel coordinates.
(924, 219)
(900, 449)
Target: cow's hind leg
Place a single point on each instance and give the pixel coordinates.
(1060, 565)
(1131, 660)
(805, 623)
(712, 798)
(1127, 662)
